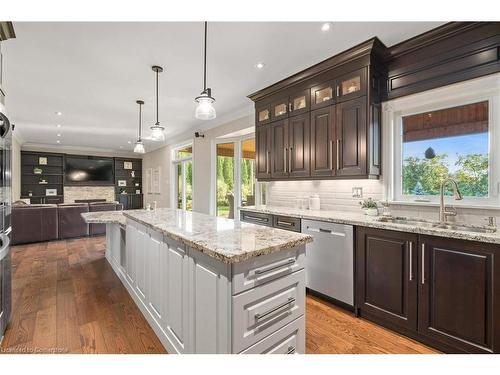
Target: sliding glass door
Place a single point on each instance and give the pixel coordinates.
(234, 175)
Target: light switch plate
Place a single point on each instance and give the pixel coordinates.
(357, 192)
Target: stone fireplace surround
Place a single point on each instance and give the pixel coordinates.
(71, 193)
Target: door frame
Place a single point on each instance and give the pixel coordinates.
(173, 172)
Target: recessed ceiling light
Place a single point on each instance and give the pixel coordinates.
(58, 125)
(59, 113)
(129, 142)
(260, 65)
(121, 146)
(325, 26)
(58, 141)
(58, 134)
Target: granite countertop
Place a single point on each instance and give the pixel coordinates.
(229, 241)
(104, 217)
(360, 219)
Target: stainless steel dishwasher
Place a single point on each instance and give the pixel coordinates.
(329, 258)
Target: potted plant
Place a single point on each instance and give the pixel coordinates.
(369, 206)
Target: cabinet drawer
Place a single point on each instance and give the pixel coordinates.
(261, 311)
(257, 218)
(260, 270)
(288, 340)
(287, 223)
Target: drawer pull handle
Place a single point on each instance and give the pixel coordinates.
(288, 224)
(290, 301)
(255, 218)
(321, 230)
(260, 271)
(291, 350)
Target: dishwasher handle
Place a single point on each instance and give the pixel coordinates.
(328, 231)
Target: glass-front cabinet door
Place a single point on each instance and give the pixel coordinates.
(352, 85)
(263, 114)
(279, 109)
(323, 95)
(299, 102)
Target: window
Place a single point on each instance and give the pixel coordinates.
(182, 160)
(451, 142)
(235, 183)
(451, 132)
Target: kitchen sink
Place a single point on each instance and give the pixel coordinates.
(434, 224)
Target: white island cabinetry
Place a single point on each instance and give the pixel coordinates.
(198, 304)
(210, 285)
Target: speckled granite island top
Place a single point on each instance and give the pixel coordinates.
(229, 241)
(104, 217)
(359, 219)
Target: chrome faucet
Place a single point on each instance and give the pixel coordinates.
(443, 212)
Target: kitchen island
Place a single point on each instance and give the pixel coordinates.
(208, 284)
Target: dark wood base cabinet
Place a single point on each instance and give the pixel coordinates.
(441, 291)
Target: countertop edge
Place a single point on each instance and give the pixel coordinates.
(492, 238)
(216, 255)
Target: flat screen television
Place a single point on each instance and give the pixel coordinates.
(85, 171)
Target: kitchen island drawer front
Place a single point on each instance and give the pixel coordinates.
(287, 223)
(257, 218)
(261, 270)
(259, 312)
(288, 340)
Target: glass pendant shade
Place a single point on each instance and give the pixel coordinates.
(205, 109)
(139, 147)
(157, 133)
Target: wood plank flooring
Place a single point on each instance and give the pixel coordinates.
(67, 299)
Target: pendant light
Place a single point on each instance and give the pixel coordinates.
(139, 146)
(205, 109)
(157, 130)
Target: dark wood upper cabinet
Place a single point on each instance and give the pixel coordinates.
(323, 95)
(386, 277)
(263, 114)
(263, 151)
(351, 85)
(279, 108)
(351, 137)
(279, 149)
(299, 102)
(459, 294)
(322, 142)
(298, 145)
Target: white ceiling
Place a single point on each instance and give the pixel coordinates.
(93, 72)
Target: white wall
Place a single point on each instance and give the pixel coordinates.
(158, 158)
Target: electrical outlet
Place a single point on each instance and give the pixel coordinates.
(357, 192)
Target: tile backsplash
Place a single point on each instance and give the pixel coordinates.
(337, 195)
(333, 194)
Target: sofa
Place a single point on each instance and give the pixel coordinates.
(34, 223)
(46, 222)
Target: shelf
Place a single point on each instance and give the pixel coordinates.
(50, 183)
(42, 174)
(40, 196)
(41, 165)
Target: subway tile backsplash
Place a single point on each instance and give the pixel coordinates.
(334, 194)
(337, 195)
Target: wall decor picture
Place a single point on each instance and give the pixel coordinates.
(50, 192)
(156, 181)
(122, 182)
(132, 174)
(42, 160)
(127, 165)
(149, 174)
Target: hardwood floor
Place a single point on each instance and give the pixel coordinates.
(67, 299)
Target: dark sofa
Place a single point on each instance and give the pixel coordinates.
(45, 222)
